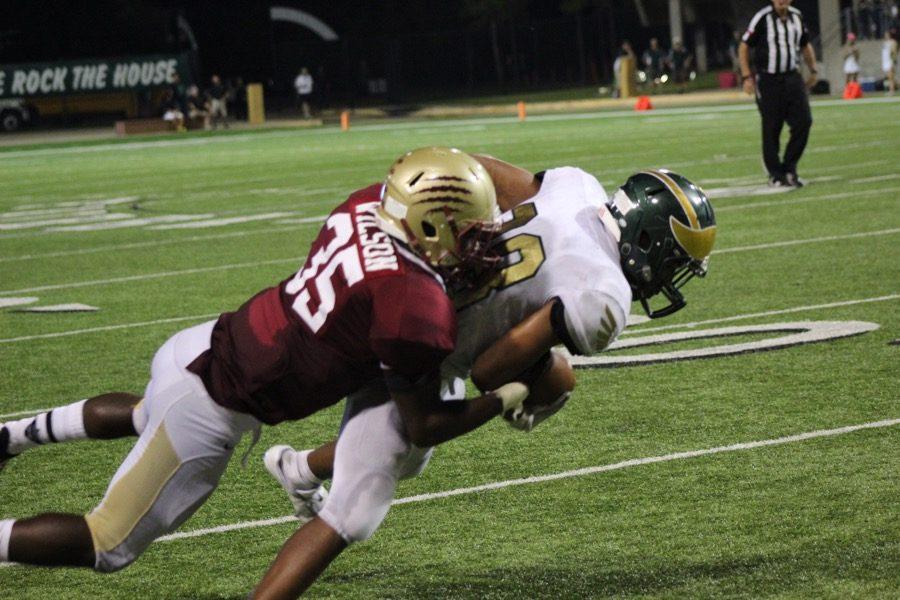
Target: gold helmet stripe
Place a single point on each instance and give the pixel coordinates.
(696, 240)
(678, 193)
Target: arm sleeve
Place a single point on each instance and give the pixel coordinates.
(413, 327)
(804, 36)
(751, 35)
(587, 321)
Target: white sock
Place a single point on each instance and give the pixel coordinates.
(58, 425)
(5, 533)
(299, 463)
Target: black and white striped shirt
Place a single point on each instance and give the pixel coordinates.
(777, 43)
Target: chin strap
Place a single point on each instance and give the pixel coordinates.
(609, 221)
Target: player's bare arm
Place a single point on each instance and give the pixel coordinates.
(526, 352)
(518, 350)
(431, 421)
(514, 184)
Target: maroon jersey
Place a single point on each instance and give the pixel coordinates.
(359, 304)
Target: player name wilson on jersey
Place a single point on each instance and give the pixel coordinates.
(375, 246)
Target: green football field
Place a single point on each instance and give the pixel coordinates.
(649, 483)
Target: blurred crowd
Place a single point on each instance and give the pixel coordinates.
(658, 65)
(190, 108)
(871, 19)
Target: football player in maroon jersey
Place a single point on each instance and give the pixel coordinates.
(564, 283)
(369, 305)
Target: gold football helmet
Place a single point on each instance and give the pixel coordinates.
(441, 203)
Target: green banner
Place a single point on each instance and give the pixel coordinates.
(91, 76)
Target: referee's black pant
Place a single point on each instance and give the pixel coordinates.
(781, 99)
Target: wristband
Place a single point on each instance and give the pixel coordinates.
(511, 395)
(745, 78)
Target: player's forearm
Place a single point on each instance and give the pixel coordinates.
(516, 351)
(513, 184)
(453, 419)
(744, 58)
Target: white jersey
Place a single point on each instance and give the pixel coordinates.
(303, 84)
(557, 247)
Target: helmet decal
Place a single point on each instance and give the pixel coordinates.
(697, 241)
(442, 204)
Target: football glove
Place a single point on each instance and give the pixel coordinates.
(512, 395)
(527, 418)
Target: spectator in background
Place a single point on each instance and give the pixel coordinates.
(236, 96)
(303, 85)
(625, 51)
(179, 91)
(197, 108)
(889, 61)
(733, 53)
(654, 59)
(218, 110)
(172, 110)
(851, 59)
(680, 60)
(865, 19)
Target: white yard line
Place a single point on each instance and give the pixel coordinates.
(632, 329)
(498, 485)
(876, 179)
(829, 238)
(320, 218)
(132, 222)
(153, 243)
(129, 278)
(768, 313)
(58, 334)
(787, 201)
(750, 179)
(92, 216)
(450, 123)
(24, 413)
(221, 222)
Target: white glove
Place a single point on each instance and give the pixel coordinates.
(512, 395)
(526, 419)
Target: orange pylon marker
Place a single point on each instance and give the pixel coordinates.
(643, 103)
(522, 113)
(345, 120)
(853, 91)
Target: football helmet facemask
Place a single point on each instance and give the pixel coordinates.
(441, 203)
(667, 234)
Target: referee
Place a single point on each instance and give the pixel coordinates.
(778, 37)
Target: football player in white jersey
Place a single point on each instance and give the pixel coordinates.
(574, 261)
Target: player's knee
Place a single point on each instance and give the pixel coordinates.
(106, 566)
(356, 524)
(415, 463)
(114, 549)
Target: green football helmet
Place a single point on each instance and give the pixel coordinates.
(667, 234)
